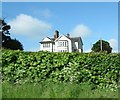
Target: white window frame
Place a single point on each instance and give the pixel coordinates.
(46, 45)
(63, 43)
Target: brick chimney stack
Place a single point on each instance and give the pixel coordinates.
(56, 34)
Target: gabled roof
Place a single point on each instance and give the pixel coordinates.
(51, 40)
(61, 36)
(75, 39)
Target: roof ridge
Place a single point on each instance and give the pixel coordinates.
(76, 37)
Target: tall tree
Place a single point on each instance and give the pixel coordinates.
(7, 42)
(102, 45)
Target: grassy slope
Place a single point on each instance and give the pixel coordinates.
(51, 90)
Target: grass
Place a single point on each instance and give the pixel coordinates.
(54, 90)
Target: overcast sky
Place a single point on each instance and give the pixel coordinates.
(32, 21)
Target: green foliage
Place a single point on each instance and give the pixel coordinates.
(105, 46)
(98, 69)
(55, 90)
(7, 41)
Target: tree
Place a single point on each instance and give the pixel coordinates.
(7, 42)
(101, 45)
(13, 44)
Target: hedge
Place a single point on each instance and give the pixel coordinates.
(98, 69)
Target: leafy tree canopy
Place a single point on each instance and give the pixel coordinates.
(102, 45)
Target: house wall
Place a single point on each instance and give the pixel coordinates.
(80, 46)
(59, 48)
(80, 50)
(53, 47)
(46, 48)
(77, 45)
(70, 46)
(74, 46)
(41, 46)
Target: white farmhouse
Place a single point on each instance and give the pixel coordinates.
(62, 43)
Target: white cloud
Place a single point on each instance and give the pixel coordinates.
(114, 44)
(29, 26)
(81, 30)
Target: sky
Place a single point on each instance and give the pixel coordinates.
(32, 21)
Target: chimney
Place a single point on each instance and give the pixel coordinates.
(56, 34)
(68, 35)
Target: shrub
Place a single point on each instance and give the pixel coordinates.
(99, 69)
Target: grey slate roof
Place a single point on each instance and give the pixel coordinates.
(48, 41)
(52, 39)
(75, 39)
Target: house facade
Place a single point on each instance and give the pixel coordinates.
(62, 43)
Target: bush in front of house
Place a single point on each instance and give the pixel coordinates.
(97, 69)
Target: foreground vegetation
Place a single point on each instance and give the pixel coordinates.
(55, 90)
(64, 73)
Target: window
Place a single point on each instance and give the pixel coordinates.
(62, 43)
(46, 45)
(62, 50)
(65, 44)
(43, 45)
